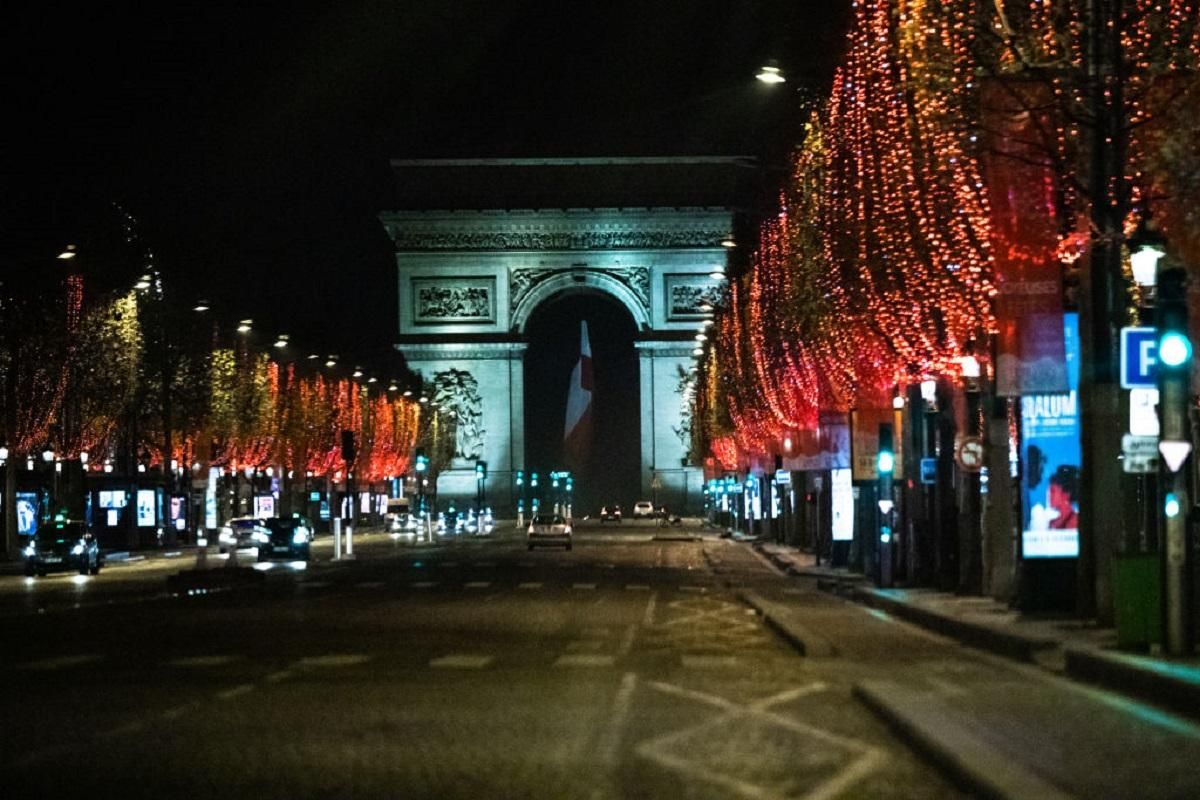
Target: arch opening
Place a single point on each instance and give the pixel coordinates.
(609, 472)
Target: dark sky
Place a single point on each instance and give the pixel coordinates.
(251, 139)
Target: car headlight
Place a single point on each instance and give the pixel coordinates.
(77, 549)
(299, 536)
(226, 535)
(30, 550)
(259, 536)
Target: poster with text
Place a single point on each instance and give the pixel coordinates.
(1050, 455)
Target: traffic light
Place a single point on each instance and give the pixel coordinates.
(887, 454)
(422, 461)
(481, 470)
(533, 479)
(1174, 346)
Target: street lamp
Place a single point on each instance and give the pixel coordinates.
(770, 74)
(245, 325)
(1146, 247)
(201, 306)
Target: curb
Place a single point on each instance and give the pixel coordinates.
(964, 757)
(1146, 679)
(778, 618)
(1016, 646)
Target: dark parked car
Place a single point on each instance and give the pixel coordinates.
(288, 537)
(241, 533)
(610, 514)
(67, 544)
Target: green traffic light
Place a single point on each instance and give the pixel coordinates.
(887, 461)
(1174, 349)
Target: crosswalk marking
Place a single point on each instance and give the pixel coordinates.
(584, 586)
(478, 584)
(584, 660)
(62, 662)
(530, 585)
(461, 661)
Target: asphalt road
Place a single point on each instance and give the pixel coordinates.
(627, 667)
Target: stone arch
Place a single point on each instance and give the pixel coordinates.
(575, 281)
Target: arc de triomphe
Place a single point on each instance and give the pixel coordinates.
(470, 279)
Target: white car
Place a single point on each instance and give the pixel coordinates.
(643, 508)
(548, 529)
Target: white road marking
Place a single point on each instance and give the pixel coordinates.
(313, 584)
(584, 644)
(236, 691)
(424, 584)
(281, 675)
(61, 662)
(627, 640)
(461, 661)
(708, 661)
(582, 660)
(370, 585)
(648, 615)
(333, 660)
(637, 587)
(610, 742)
(584, 586)
(202, 661)
(529, 586)
(478, 584)
(699, 589)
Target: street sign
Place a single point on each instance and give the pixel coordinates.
(1174, 453)
(656, 482)
(1139, 358)
(1139, 454)
(783, 477)
(969, 454)
(928, 470)
(1143, 412)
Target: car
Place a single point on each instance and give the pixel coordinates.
(398, 520)
(643, 509)
(67, 544)
(288, 537)
(610, 514)
(241, 533)
(548, 529)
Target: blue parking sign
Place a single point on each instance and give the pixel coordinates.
(1139, 358)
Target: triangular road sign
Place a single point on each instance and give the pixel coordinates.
(1174, 453)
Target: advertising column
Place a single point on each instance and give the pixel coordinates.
(1050, 459)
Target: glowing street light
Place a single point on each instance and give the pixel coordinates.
(68, 254)
(201, 306)
(245, 325)
(771, 74)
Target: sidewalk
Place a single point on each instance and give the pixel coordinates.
(1067, 646)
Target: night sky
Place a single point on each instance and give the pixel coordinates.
(251, 140)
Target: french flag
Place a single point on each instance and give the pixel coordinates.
(577, 435)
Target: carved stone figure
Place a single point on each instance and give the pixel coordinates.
(457, 390)
(454, 302)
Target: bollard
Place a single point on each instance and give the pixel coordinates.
(350, 541)
(335, 525)
(202, 553)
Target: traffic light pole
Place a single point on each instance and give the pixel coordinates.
(886, 464)
(1174, 373)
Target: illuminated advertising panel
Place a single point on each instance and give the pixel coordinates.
(1050, 454)
(841, 494)
(145, 508)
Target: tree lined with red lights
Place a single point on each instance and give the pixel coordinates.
(878, 269)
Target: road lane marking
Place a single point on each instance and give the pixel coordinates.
(370, 585)
(530, 585)
(637, 587)
(61, 662)
(584, 586)
(236, 691)
(584, 660)
(478, 584)
(202, 661)
(277, 677)
(122, 730)
(461, 661)
(699, 589)
(584, 644)
(333, 660)
(627, 640)
(423, 584)
(610, 741)
(648, 615)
